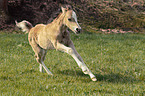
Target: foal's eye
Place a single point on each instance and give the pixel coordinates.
(69, 19)
(20, 28)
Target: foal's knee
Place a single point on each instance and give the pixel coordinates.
(70, 51)
(38, 59)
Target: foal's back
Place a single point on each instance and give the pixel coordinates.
(37, 29)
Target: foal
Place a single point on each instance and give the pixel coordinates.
(55, 36)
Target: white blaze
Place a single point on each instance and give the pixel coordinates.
(75, 18)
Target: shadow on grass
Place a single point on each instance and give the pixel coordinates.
(112, 77)
(77, 74)
(116, 78)
(71, 72)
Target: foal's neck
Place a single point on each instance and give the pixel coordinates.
(59, 19)
(58, 22)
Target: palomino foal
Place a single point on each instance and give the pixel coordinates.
(55, 36)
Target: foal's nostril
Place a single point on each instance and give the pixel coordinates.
(78, 30)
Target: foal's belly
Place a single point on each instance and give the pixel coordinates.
(45, 44)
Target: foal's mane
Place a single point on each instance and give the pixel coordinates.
(57, 14)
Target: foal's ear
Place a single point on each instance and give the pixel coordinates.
(16, 22)
(63, 9)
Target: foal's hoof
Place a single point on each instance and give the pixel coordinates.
(51, 74)
(42, 71)
(85, 72)
(94, 79)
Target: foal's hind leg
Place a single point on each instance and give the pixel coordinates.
(40, 55)
(42, 59)
(71, 50)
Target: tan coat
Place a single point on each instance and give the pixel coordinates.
(56, 36)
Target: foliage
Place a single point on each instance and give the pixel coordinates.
(121, 14)
(116, 59)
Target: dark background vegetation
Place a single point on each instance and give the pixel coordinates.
(106, 14)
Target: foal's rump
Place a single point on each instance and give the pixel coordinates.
(38, 34)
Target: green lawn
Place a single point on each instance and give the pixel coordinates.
(117, 60)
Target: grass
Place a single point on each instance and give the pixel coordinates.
(117, 60)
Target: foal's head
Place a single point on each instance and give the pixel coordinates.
(70, 19)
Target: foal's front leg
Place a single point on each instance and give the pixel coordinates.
(71, 50)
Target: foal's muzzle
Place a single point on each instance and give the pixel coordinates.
(78, 30)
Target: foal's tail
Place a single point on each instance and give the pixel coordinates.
(24, 25)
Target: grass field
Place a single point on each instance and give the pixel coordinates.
(117, 60)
